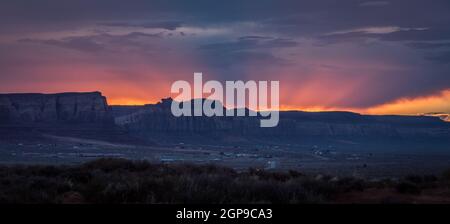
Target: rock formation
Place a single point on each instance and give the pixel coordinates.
(61, 107)
(157, 119)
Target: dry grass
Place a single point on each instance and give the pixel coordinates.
(124, 181)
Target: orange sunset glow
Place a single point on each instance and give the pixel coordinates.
(416, 106)
(369, 67)
(246, 102)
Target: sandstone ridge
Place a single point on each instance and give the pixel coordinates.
(59, 107)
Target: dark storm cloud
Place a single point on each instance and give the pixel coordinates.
(245, 50)
(287, 16)
(425, 34)
(374, 3)
(421, 25)
(100, 42)
(440, 57)
(426, 45)
(250, 42)
(224, 61)
(79, 43)
(168, 25)
(411, 37)
(254, 37)
(355, 36)
(401, 34)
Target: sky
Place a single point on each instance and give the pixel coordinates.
(373, 57)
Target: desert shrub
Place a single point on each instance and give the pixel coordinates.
(422, 182)
(124, 181)
(295, 174)
(109, 164)
(430, 178)
(383, 183)
(348, 184)
(406, 187)
(417, 179)
(446, 175)
(318, 187)
(77, 176)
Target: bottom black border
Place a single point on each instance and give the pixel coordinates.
(279, 213)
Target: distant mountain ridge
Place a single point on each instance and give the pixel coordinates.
(157, 120)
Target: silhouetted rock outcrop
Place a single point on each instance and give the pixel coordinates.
(157, 119)
(62, 107)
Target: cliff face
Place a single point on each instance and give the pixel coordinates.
(61, 107)
(157, 119)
